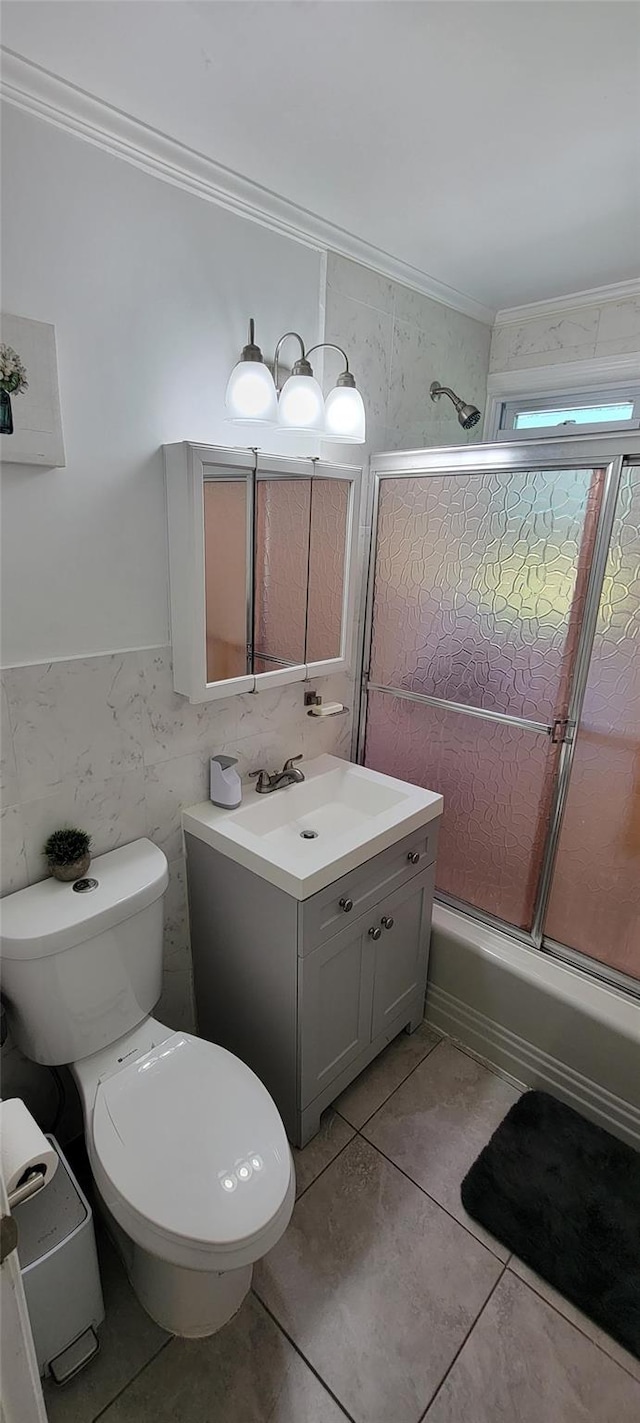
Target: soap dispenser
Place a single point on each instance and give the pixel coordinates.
(225, 786)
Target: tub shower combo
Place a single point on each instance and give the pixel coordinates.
(502, 669)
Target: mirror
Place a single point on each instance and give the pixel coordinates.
(294, 538)
(281, 572)
(226, 535)
(328, 525)
(268, 577)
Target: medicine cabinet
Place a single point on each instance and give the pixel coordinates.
(262, 555)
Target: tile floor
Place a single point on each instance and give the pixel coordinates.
(384, 1302)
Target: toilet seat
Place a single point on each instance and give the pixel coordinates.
(191, 1157)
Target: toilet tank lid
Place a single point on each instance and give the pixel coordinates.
(49, 917)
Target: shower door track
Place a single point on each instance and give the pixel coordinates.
(608, 453)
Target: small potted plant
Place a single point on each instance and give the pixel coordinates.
(68, 854)
(13, 380)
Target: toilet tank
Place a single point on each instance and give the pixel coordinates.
(82, 966)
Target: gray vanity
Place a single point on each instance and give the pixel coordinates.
(307, 987)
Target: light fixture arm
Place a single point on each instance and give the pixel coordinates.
(346, 378)
(299, 367)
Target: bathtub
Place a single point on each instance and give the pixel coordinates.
(544, 1023)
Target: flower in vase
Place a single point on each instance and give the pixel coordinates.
(13, 380)
(13, 376)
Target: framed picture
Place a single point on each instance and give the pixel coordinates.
(30, 423)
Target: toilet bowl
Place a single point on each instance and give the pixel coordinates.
(189, 1155)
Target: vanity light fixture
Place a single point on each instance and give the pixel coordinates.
(253, 395)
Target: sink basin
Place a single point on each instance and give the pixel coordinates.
(306, 835)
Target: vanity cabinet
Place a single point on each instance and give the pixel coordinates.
(308, 992)
(360, 981)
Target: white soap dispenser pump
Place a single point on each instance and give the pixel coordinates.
(225, 786)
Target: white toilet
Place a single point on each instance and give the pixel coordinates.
(188, 1152)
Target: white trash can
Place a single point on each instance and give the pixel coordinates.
(59, 1264)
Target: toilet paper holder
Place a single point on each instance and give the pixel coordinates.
(33, 1182)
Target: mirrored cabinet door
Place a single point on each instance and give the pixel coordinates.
(328, 532)
(262, 568)
(281, 571)
(227, 535)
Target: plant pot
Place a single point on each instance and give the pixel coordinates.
(71, 872)
(6, 414)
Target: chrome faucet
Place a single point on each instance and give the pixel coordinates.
(286, 777)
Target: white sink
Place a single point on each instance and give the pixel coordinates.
(306, 835)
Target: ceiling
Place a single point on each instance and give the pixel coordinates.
(493, 146)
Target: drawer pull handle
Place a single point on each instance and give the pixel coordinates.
(413, 857)
(386, 921)
(375, 933)
(346, 904)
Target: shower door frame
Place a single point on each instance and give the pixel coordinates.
(606, 452)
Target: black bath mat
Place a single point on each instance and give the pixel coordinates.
(564, 1195)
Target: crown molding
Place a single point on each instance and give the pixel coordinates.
(35, 90)
(595, 296)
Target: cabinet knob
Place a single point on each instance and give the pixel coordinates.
(346, 904)
(413, 857)
(386, 921)
(375, 933)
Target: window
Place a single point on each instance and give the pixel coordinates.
(588, 412)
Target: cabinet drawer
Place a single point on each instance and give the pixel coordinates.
(323, 915)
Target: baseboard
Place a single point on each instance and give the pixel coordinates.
(531, 1065)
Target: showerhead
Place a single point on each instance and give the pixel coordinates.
(468, 415)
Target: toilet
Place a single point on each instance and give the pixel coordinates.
(189, 1155)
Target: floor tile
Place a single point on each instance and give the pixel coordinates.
(385, 1073)
(581, 1321)
(248, 1373)
(311, 1160)
(524, 1362)
(435, 1125)
(377, 1286)
(128, 1340)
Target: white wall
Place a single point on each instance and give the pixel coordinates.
(150, 290)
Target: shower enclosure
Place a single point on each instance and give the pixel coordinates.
(502, 668)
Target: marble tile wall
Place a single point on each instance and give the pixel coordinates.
(105, 743)
(579, 334)
(400, 342)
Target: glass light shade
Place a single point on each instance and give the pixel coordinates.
(251, 394)
(301, 404)
(344, 417)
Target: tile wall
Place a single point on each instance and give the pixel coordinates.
(106, 744)
(400, 342)
(579, 334)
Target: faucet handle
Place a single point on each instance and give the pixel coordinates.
(262, 777)
(288, 765)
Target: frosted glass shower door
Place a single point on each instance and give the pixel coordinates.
(595, 896)
(478, 596)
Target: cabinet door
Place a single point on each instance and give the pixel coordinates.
(335, 988)
(402, 951)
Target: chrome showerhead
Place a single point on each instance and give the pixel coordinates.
(468, 415)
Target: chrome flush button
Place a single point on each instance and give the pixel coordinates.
(83, 886)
